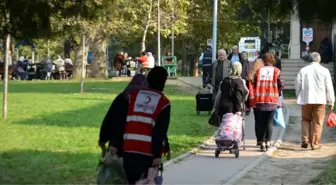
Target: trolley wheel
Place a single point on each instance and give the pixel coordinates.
(236, 152)
(198, 112)
(217, 152)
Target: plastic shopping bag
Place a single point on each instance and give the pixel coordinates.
(230, 128)
(331, 121)
(111, 171)
(150, 180)
(279, 118)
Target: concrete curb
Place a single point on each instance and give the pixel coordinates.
(187, 154)
(194, 150)
(235, 178)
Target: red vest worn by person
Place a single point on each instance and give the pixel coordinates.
(266, 90)
(144, 107)
(144, 61)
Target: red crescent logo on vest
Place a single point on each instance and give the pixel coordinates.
(149, 100)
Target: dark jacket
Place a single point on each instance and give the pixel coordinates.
(207, 58)
(112, 128)
(230, 56)
(278, 63)
(233, 93)
(245, 69)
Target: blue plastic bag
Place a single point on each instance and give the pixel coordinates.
(279, 118)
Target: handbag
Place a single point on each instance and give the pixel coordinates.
(214, 119)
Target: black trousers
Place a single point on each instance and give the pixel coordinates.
(264, 125)
(206, 72)
(135, 166)
(255, 123)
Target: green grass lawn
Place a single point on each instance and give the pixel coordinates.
(52, 131)
(329, 175)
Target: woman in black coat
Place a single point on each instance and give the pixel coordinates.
(233, 93)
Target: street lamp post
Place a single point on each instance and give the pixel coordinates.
(173, 17)
(159, 36)
(214, 30)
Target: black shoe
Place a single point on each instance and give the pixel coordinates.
(304, 145)
(259, 143)
(204, 86)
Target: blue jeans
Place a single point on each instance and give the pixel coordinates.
(206, 73)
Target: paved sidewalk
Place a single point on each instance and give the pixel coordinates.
(304, 164)
(204, 168)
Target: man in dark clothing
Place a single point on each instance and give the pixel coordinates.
(277, 60)
(245, 65)
(206, 59)
(146, 126)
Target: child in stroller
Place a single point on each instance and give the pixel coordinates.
(230, 106)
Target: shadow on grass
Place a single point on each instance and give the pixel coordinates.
(44, 167)
(184, 120)
(65, 87)
(71, 87)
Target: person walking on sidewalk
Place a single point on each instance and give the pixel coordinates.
(251, 104)
(314, 90)
(232, 94)
(111, 130)
(268, 88)
(146, 127)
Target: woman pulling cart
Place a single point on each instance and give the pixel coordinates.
(230, 106)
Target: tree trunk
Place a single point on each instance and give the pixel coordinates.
(149, 17)
(5, 84)
(99, 61)
(77, 63)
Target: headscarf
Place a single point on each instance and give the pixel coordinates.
(138, 81)
(236, 69)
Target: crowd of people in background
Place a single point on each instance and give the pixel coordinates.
(144, 63)
(25, 69)
(240, 86)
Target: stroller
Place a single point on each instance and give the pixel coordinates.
(231, 143)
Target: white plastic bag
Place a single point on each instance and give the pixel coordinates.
(152, 174)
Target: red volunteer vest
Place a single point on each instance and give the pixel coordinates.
(266, 90)
(144, 61)
(144, 107)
